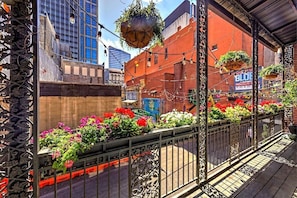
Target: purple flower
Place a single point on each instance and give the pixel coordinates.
(44, 133)
(68, 129)
(61, 125)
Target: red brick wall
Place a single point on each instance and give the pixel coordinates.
(180, 45)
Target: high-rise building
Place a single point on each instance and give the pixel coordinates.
(81, 35)
(117, 58)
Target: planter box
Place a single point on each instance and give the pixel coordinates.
(124, 144)
(109, 153)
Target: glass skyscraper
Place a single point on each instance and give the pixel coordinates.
(117, 58)
(81, 36)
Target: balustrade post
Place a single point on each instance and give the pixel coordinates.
(201, 87)
(255, 33)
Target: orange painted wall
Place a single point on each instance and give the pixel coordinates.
(182, 44)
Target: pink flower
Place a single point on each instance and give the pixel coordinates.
(68, 163)
(56, 154)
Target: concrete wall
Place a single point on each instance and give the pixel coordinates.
(49, 70)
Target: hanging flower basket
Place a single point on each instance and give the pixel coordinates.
(271, 76)
(233, 60)
(271, 72)
(234, 65)
(140, 26)
(138, 32)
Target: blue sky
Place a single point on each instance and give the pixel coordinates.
(110, 10)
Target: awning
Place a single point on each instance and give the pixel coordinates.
(129, 101)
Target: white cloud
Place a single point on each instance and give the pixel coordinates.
(116, 44)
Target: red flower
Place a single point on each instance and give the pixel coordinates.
(220, 106)
(250, 107)
(209, 104)
(120, 110)
(99, 119)
(108, 115)
(125, 111)
(141, 122)
(68, 163)
(239, 102)
(266, 102)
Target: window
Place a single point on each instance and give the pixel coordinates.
(94, 32)
(88, 30)
(94, 43)
(82, 51)
(94, 22)
(88, 42)
(88, 19)
(214, 47)
(94, 55)
(93, 9)
(166, 53)
(88, 54)
(156, 59)
(88, 7)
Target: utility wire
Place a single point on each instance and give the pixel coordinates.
(114, 34)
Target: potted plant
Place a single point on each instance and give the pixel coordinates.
(271, 71)
(289, 99)
(139, 26)
(233, 60)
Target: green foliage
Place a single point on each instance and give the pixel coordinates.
(271, 69)
(233, 56)
(289, 98)
(216, 114)
(265, 133)
(64, 144)
(234, 114)
(293, 137)
(150, 13)
(121, 126)
(270, 106)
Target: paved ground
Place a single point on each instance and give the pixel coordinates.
(270, 172)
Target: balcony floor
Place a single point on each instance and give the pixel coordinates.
(269, 172)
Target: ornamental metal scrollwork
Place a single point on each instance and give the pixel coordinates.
(211, 191)
(288, 75)
(255, 30)
(202, 94)
(145, 174)
(234, 139)
(16, 96)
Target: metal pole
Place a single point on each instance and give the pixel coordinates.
(17, 153)
(201, 87)
(36, 86)
(255, 33)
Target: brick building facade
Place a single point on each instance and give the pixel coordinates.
(168, 72)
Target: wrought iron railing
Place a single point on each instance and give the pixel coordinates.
(154, 165)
